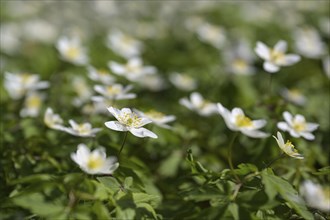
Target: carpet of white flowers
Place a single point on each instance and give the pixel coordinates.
(165, 110)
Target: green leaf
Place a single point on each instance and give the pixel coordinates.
(233, 209)
(245, 168)
(36, 203)
(144, 198)
(147, 207)
(170, 166)
(128, 182)
(323, 171)
(110, 182)
(276, 185)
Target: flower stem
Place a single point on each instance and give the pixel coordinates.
(230, 162)
(122, 145)
(275, 159)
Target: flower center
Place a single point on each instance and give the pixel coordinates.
(94, 163)
(83, 129)
(130, 119)
(33, 102)
(299, 126)
(155, 115)
(240, 64)
(289, 146)
(113, 90)
(276, 56)
(72, 52)
(243, 121)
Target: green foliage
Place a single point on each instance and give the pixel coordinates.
(185, 173)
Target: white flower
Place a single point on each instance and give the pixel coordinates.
(297, 126)
(32, 105)
(18, 85)
(293, 95)
(82, 130)
(183, 81)
(84, 92)
(152, 82)
(129, 121)
(133, 70)
(287, 147)
(40, 30)
(326, 65)
(113, 92)
(123, 44)
(198, 104)
(315, 195)
(95, 162)
(211, 34)
(239, 58)
(157, 118)
(10, 35)
(52, 120)
(72, 51)
(237, 121)
(308, 43)
(100, 75)
(275, 57)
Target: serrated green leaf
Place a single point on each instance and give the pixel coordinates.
(128, 182)
(144, 198)
(110, 182)
(276, 185)
(148, 208)
(245, 168)
(323, 171)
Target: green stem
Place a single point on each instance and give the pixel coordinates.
(122, 145)
(230, 162)
(275, 159)
(270, 83)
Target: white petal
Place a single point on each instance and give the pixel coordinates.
(115, 112)
(259, 123)
(307, 136)
(293, 133)
(196, 99)
(283, 126)
(288, 117)
(117, 68)
(270, 67)
(143, 132)
(290, 59)
(262, 51)
(280, 46)
(115, 125)
(144, 121)
(280, 140)
(254, 133)
(185, 102)
(312, 126)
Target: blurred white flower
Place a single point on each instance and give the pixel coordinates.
(308, 42)
(133, 70)
(152, 82)
(157, 118)
(275, 57)
(95, 162)
(82, 130)
(198, 104)
(240, 58)
(287, 147)
(315, 195)
(72, 51)
(237, 121)
(129, 121)
(326, 65)
(52, 120)
(113, 92)
(123, 44)
(32, 105)
(18, 85)
(10, 34)
(297, 126)
(83, 90)
(183, 81)
(293, 95)
(40, 30)
(100, 75)
(211, 34)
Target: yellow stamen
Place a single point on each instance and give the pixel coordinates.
(243, 121)
(94, 163)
